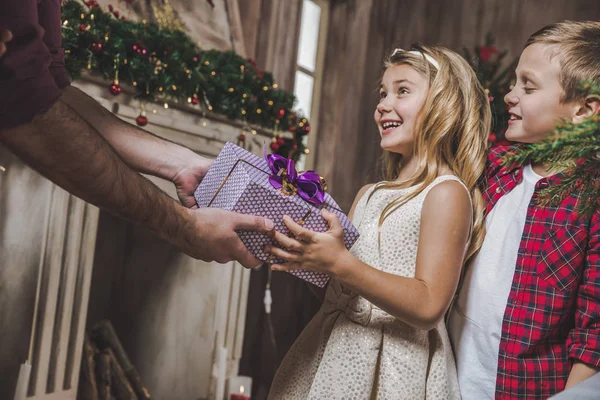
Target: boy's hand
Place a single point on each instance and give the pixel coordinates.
(310, 250)
(5, 37)
(188, 178)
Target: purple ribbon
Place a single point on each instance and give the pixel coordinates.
(307, 184)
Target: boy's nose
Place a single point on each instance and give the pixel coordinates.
(511, 99)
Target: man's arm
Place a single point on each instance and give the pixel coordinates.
(141, 150)
(65, 149)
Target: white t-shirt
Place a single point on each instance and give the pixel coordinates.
(475, 323)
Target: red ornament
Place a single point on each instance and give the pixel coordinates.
(195, 100)
(142, 120)
(110, 7)
(82, 27)
(281, 113)
(115, 89)
(96, 47)
(242, 137)
(116, 14)
(486, 52)
(292, 128)
(274, 146)
(492, 137)
(280, 141)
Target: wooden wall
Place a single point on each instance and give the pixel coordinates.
(361, 34)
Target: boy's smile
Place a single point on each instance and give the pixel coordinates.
(535, 101)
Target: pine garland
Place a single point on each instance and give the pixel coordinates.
(167, 66)
(573, 149)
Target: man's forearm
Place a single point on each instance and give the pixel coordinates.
(65, 149)
(141, 150)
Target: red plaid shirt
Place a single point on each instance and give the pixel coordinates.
(552, 316)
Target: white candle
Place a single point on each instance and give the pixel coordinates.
(23, 381)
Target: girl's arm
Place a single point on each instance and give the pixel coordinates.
(318, 291)
(420, 301)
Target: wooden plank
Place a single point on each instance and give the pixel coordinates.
(49, 290)
(235, 28)
(62, 331)
(82, 293)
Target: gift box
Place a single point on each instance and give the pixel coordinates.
(242, 182)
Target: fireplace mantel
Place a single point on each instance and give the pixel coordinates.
(173, 314)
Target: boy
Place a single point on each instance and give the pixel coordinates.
(526, 323)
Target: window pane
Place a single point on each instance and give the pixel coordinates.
(303, 90)
(309, 35)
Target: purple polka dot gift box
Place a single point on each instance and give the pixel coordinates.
(242, 182)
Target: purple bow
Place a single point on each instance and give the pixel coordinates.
(284, 175)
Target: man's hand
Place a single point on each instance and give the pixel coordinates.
(5, 37)
(188, 178)
(211, 235)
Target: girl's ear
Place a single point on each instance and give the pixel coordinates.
(590, 107)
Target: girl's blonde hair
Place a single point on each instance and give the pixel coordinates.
(451, 130)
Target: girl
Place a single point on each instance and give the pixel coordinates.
(380, 332)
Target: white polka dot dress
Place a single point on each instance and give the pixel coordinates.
(353, 350)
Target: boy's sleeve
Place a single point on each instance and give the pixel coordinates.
(27, 85)
(583, 343)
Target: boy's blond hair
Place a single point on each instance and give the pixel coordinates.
(577, 46)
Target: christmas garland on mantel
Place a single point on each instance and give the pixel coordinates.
(166, 66)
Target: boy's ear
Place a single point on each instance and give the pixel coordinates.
(590, 107)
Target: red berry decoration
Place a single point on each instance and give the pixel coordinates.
(142, 120)
(274, 146)
(96, 47)
(292, 128)
(195, 100)
(281, 113)
(82, 27)
(115, 89)
(242, 137)
(110, 7)
(280, 141)
(116, 14)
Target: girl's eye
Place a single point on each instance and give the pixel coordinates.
(402, 91)
(382, 95)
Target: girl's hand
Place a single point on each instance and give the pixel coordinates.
(310, 250)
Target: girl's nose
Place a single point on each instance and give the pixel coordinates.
(382, 107)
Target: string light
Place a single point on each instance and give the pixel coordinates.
(2, 168)
(166, 105)
(258, 111)
(213, 73)
(275, 86)
(270, 102)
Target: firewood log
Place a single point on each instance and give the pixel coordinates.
(103, 375)
(104, 334)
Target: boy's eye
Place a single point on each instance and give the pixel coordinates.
(382, 95)
(528, 90)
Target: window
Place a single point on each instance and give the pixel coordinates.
(309, 66)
